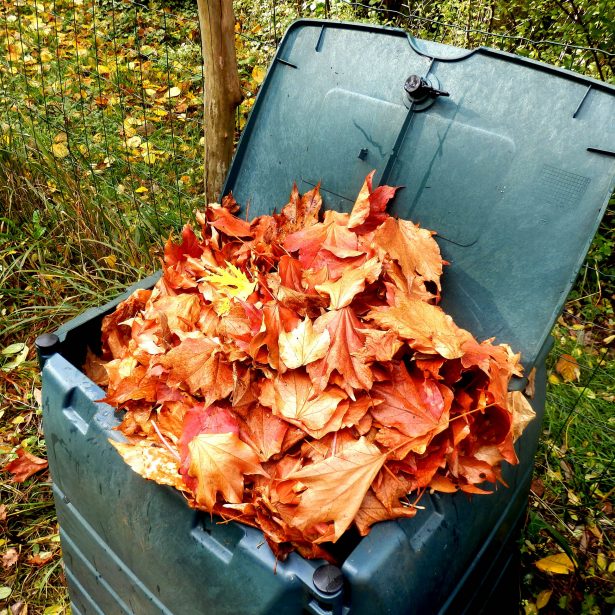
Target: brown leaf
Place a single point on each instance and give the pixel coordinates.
(343, 290)
(568, 368)
(427, 327)
(293, 397)
(413, 248)
(24, 466)
(343, 355)
(218, 462)
(199, 364)
(369, 210)
(331, 491)
(9, 558)
(522, 412)
(40, 559)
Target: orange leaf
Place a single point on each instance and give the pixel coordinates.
(332, 490)
(218, 462)
(412, 404)
(369, 210)
(413, 248)
(199, 364)
(568, 368)
(294, 397)
(346, 342)
(427, 327)
(40, 559)
(343, 290)
(24, 466)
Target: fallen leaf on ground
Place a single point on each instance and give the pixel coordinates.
(24, 466)
(9, 558)
(568, 368)
(559, 563)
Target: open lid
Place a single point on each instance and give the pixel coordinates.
(513, 169)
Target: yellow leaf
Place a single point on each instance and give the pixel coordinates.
(231, 281)
(258, 74)
(601, 561)
(141, 190)
(60, 150)
(559, 563)
(609, 339)
(568, 368)
(149, 157)
(173, 92)
(133, 141)
(46, 56)
(543, 598)
(111, 260)
(553, 379)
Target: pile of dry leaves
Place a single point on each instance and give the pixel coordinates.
(298, 375)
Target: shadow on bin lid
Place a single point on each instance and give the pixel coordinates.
(509, 160)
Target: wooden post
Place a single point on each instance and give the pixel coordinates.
(222, 92)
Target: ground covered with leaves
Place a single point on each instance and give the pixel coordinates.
(100, 112)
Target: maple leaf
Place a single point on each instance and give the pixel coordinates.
(223, 220)
(190, 246)
(331, 235)
(151, 462)
(522, 412)
(199, 364)
(300, 211)
(218, 462)
(411, 404)
(264, 431)
(346, 341)
(343, 290)
(369, 210)
(25, 466)
(413, 248)
(372, 510)
(276, 319)
(426, 327)
(302, 345)
(293, 397)
(333, 489)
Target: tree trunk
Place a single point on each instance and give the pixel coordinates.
(222, 92)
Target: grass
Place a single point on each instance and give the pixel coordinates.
(100, 159)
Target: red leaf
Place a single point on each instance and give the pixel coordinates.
(24, 466)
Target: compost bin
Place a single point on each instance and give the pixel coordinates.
(512, 162)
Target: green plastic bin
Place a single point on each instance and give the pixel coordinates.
(512, 162)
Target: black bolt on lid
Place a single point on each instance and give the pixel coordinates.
(328, 579)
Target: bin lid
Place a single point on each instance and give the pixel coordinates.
(513, 168)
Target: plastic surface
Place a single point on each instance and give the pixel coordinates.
(131, 546)
(501, 168)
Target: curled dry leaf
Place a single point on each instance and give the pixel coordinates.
(296, 373)
(9, 558)
(25, 466)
